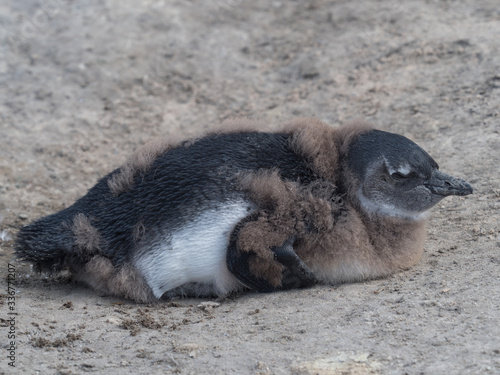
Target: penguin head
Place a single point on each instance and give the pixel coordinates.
(397, 177)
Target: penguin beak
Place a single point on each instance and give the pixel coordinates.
(442, 184)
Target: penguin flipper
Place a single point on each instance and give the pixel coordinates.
(294, 274)
(238, 263)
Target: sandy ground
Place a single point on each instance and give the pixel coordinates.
(83, 83)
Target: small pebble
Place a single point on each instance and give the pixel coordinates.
(209, 305)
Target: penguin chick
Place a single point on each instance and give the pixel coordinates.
(266, 210)
(366, 221)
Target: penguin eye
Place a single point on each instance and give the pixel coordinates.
(398, 176)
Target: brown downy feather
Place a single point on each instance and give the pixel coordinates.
(286, 209)
(98, 271)
(123, 281)
(86, 236)
(324, 145)
(359, 248)
(335, 239)
(140, 161)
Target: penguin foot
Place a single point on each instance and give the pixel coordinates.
(294, 272)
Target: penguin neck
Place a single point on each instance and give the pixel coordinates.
(398, 241)
(384, 211)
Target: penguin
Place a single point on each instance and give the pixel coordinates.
(240, 208)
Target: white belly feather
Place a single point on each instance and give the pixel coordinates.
(196, 253)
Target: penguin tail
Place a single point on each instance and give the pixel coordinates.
(46, 243)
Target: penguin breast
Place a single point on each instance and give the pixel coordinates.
(193, 253)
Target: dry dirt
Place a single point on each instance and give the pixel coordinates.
(83, 83)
